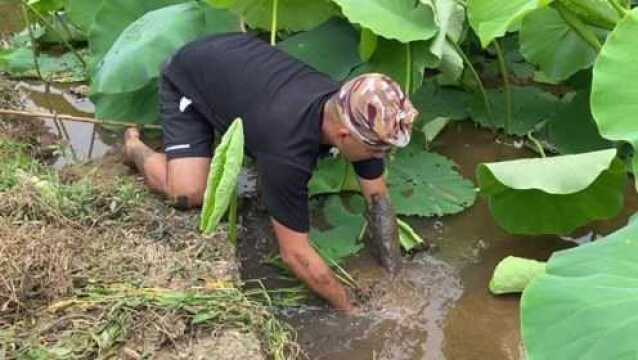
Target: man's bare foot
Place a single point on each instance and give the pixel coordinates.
(131, 139)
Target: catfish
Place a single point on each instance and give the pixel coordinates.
(382, 238)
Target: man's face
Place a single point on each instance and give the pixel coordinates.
(354, 149)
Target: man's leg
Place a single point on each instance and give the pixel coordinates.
(182, 180)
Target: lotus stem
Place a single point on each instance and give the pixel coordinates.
(476, 76)
(579, 27)
(538, 144)
(273, 30)
(408, 69)
(506, 84)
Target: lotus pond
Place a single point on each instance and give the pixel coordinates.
(524, 147)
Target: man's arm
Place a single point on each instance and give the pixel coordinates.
(369, 188)
(303, 260)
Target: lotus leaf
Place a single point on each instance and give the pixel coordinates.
(341, 240)
(332, 176)
(19, 63)
(367, 44)
(450, 16)
(614, 105)
(223, 177)
(113, 16)
(330, 48)
(491, 19)
(574, 130)
(136, 57)
(513, 274)
(82, 12)
(292, 15)
(434, 102)
(530, 106)
(559, 193)
(402, 20)
(585, 305)
(140, 106)
(425, 184)
(549, 42)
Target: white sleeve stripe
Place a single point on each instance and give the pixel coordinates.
(178, 147)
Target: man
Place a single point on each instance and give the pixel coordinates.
(292, 114)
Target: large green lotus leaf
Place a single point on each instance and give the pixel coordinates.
(435, 102)
(403, 20)
(585, 307)
(332, 176)
(426, 184)
(136, 57)
(330, 48)
(341, 240)
(223, 177)
(549, 42)
(492, 18)
(614, 105)
(530, 106)
(553, 195)
(140, 106)
(82, 12)
(391, 58)
(293, 15)
(450, 16)
(573, 130)
(113, 16)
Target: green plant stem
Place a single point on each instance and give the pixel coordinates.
(408, 70)
(36, 62)
(273, 30)
(619, 9)
(506, 84)
(51, 28)
(540, 148)
(476, 76)
(579, 27)
(232, 218)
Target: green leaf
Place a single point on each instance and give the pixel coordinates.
(530, 106)
(332, 176)
(223, 177)
(491, 19)
(513, 274)
(450, 16)
(434, 102)
(136, 57)
(613, 104)
(113, 16)
(573, 130)
(402, 20)
(433, 128)
(367, 44)
(408, 238)
(585, 306)
(19, 63)
(82, 12)
(391, 58)
(553, 195)
(329, 48)
(140, 106)
(549, 42)
(341, 240)
(292, 15)
(426, 184)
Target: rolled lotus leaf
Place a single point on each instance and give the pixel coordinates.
(513, 274)
(223, 177)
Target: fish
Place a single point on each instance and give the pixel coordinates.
(382, 234)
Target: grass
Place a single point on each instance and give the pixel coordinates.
(92, 266)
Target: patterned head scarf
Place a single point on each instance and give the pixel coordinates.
(375, 110)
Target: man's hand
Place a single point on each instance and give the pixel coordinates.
(308, 266)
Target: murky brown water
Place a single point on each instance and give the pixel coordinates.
(10, 19)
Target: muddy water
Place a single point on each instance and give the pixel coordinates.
(10, 19)
(63, 99)
(439, 306)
